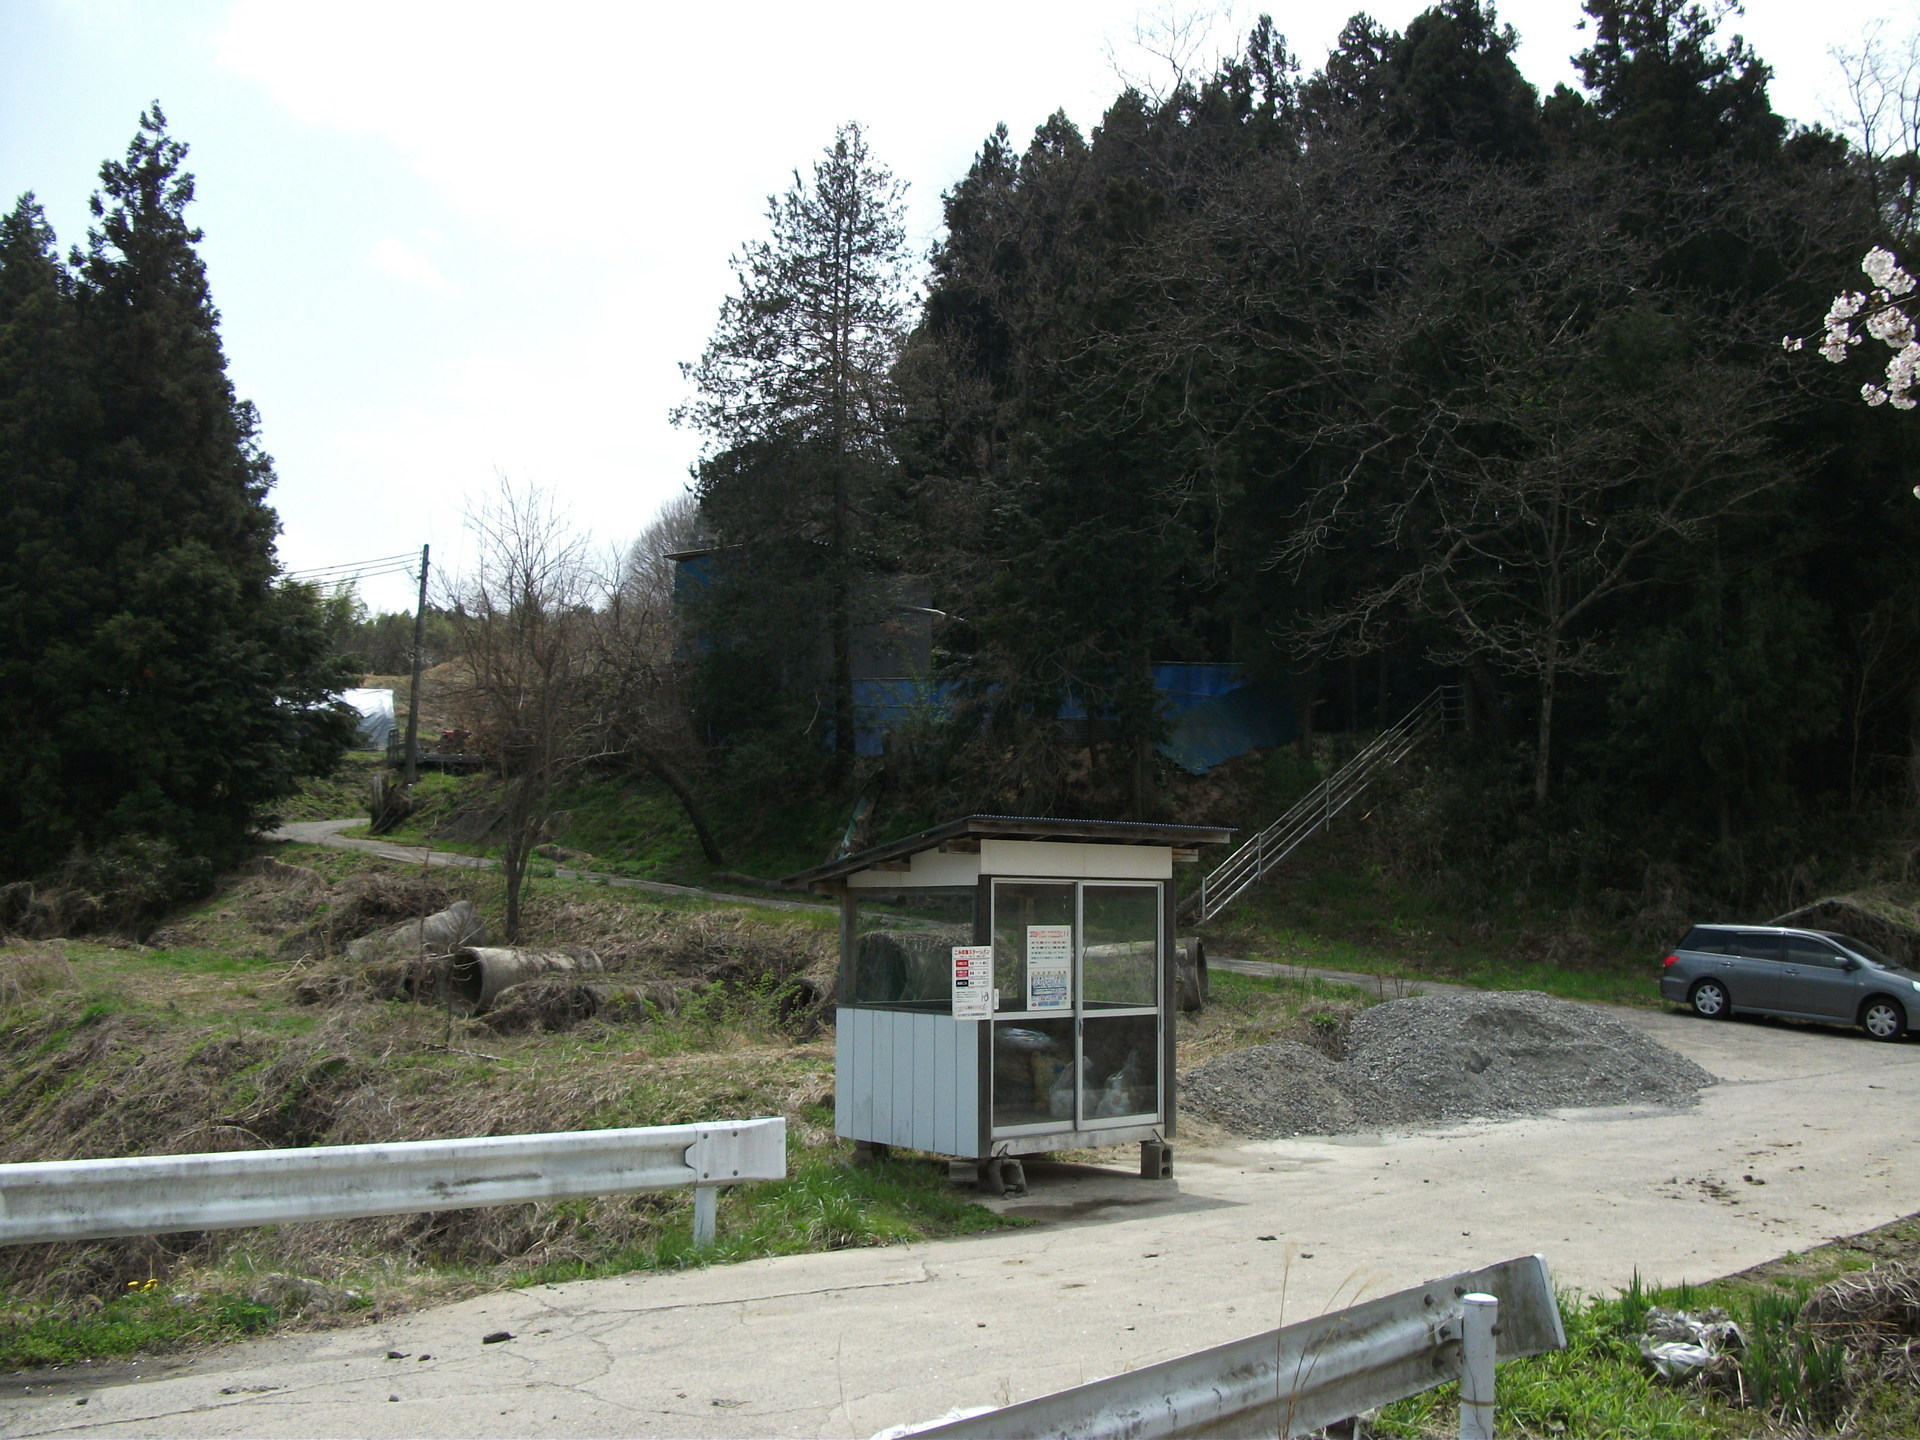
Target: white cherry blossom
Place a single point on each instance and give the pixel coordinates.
(1884, 317)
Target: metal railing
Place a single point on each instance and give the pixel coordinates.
(1303, 1377)
(165, 1194)
(1256, 858)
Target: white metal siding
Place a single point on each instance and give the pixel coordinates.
(908, 1079)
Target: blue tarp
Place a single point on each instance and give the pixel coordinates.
(1214, 713)
(1250, 717)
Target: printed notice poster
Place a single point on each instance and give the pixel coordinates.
(1049, 967)
(973, 982)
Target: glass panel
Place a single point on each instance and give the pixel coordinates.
(1032, 1072)
(1121, 1066)
(1811, 952)
(1016, 907)
(1756, 945)
(903, 947)
(1866, 951)
(1122, 957)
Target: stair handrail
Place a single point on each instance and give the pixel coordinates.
(1256, 858)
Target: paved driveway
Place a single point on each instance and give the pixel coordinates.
(1811, 1135)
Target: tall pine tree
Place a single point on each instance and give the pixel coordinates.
(160, 686)
(795, 394)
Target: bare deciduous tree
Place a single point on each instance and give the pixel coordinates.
(1537, 427)
(1881, 115)
(524, 613)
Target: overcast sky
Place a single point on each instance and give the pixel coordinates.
(454, 240)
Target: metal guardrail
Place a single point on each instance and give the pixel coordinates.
(163, 1194)
(1302, 1377)
(1257, 857)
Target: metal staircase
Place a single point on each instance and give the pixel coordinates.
(1445, 708)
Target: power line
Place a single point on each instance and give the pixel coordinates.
(349, 578)
(377, 562)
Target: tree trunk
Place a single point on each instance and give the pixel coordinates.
(1913, 741)
(1542, 760)
(1306, 695)
(844, 738)
(683, 792)
(1145, 800)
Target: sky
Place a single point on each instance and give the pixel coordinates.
(452, 242)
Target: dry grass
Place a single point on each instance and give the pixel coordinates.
(1246, 1011)
(28, 969)
(195, 1045)
(1875, 1316)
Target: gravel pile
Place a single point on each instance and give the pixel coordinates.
(1443, 1057)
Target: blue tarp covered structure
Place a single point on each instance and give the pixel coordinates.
(1219, 727)
(1214, 713)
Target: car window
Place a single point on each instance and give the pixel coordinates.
(1802, 951)
(1710, 942)
(1860, 947)
(1756, 945)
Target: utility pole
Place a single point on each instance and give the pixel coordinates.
(412, 772)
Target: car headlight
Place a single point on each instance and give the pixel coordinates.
(1915, 984)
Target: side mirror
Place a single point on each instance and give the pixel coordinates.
(1847, 962)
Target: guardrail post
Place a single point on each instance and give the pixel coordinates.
(706, 1208)
(1477, 1323)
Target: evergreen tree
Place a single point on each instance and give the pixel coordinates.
(1667, 88)
(795, 395)
(164, 687)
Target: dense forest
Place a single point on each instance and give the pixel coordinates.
(1364, 378)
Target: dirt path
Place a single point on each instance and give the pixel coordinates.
(327, 832)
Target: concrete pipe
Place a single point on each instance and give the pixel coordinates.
(479, 973)
(440, 933)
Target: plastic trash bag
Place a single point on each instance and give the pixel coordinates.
(1117, 1096)
(1679, 1345)
(1018, 1037)
(1060, 1097)
(1677, 1360)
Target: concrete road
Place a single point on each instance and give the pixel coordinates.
(1811, 1135)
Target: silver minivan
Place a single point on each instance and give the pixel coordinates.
(1800, 974)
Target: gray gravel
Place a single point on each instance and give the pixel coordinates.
(1435, 1058)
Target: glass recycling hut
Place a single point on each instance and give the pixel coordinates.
(1006, 987)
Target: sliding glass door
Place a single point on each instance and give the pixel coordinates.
(1076, 1032)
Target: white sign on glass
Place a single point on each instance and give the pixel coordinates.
(1049, 967)
(972, 982)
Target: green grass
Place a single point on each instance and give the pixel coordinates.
(205, 961)
(1361, 920)
(136, 1322)
(632, 825)
(343, 793)
(1599, 1388)
(823, 1204)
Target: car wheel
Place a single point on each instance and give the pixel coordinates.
(1883, 1019)
(1709, 1000)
